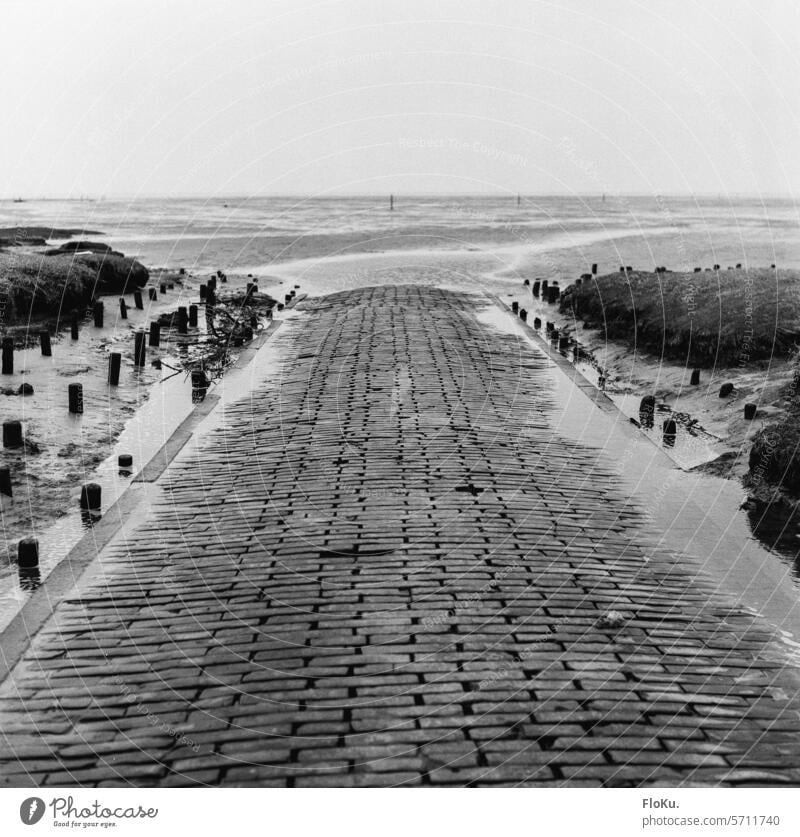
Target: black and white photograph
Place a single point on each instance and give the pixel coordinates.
(400, 394)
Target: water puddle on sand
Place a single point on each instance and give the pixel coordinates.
(694, 515)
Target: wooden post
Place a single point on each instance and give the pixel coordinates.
(44, 339)
(139, 349)
(5, 481)
(75, 398)
(183, 320)
(137, 299)
(725, 390)
(74, 325)
(91, 496)
(8, 356)
(153, 294)
(155, 334)
(123, 308)
(193, 316)
(28, 553)
(695, 379)
(203, 292)
(114, 364)
(750, 411)
(647, 409)
(12, 434)
(98, 314)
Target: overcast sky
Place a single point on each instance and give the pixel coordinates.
(247, 97)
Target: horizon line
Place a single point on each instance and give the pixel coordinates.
(18, 198)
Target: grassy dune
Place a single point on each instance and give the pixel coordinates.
(37, 285)
(722, 318)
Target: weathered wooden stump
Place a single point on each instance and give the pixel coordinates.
(5, 481)
(114, 365)
(183, 320)
(123, 308)
(669, 432)
(139, 348)
(73, 325)
(44, 340)
(193, 316)
(647, 409)
(75, 398)
(750, 411)
(155, 334)
(91, 497)
(137, 300)
(8, 356)
(28, 553)
(98, 310)
(725, 390)
(12, 434)
(695, 379)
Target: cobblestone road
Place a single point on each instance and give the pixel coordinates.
(385, 568)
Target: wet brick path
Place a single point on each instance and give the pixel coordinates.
(385, 568)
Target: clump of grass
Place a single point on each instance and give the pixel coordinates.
(775, 454)
(723, 318)
(34, 285)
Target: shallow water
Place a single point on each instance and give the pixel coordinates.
(333, 243)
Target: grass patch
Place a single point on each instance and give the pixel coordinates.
(712, 318)
(36, 285)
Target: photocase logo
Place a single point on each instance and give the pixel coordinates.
(31, 810)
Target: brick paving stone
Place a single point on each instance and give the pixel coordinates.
(385, 567)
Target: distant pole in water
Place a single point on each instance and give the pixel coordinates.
(391, 203)
(519, 200)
